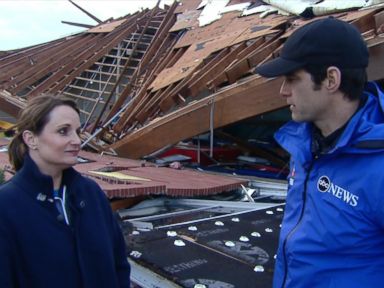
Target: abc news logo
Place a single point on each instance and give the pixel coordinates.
(324, 185)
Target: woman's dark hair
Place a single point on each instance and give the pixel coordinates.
(352, 80)
(34, 117)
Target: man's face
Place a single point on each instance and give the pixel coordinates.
(305, 103)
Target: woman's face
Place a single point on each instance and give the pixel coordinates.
(57, 146)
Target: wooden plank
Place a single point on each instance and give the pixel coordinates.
(237, 71)
(169, 100)
(252, 97)
(375, 69)
(142, 111)
(200, 83)
(253, 59)
(11, 105)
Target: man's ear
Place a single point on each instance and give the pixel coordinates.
(30, 139)
(333, 79)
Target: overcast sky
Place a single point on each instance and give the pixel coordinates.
(28, 22)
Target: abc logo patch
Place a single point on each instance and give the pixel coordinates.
(323, 184)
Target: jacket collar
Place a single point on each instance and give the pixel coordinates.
(37, 184)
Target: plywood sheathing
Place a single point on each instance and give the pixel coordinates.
(229, 24)
(107, 27)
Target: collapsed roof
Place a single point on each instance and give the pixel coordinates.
(154, 78)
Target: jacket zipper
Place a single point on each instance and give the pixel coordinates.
(297, 224)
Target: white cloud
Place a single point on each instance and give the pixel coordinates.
(28, 22)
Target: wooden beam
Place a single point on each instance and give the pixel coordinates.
(78, 24)
(86, 12)
(375, 69)
(252, 97)
(11, 105)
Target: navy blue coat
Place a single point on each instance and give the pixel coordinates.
(38, 249)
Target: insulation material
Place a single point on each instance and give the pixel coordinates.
(319, 8)
(373, 3)
(214, 9)
(186, 20)
(236, 7)
(202, 4)
(332, 6)
(296, 7)
(212, 12)
(263, 9)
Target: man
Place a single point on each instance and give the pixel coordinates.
(333, 228)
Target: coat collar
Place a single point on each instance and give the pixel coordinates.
(37, 184)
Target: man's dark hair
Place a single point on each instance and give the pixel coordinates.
(352, 82)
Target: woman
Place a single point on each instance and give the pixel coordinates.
(56, 226)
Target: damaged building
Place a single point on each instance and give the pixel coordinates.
(158, 83)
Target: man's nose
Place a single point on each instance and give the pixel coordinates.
(285, 91)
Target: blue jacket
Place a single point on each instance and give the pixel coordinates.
(333, 228)
(37, 248)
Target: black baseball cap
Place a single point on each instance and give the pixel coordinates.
(328, 41)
